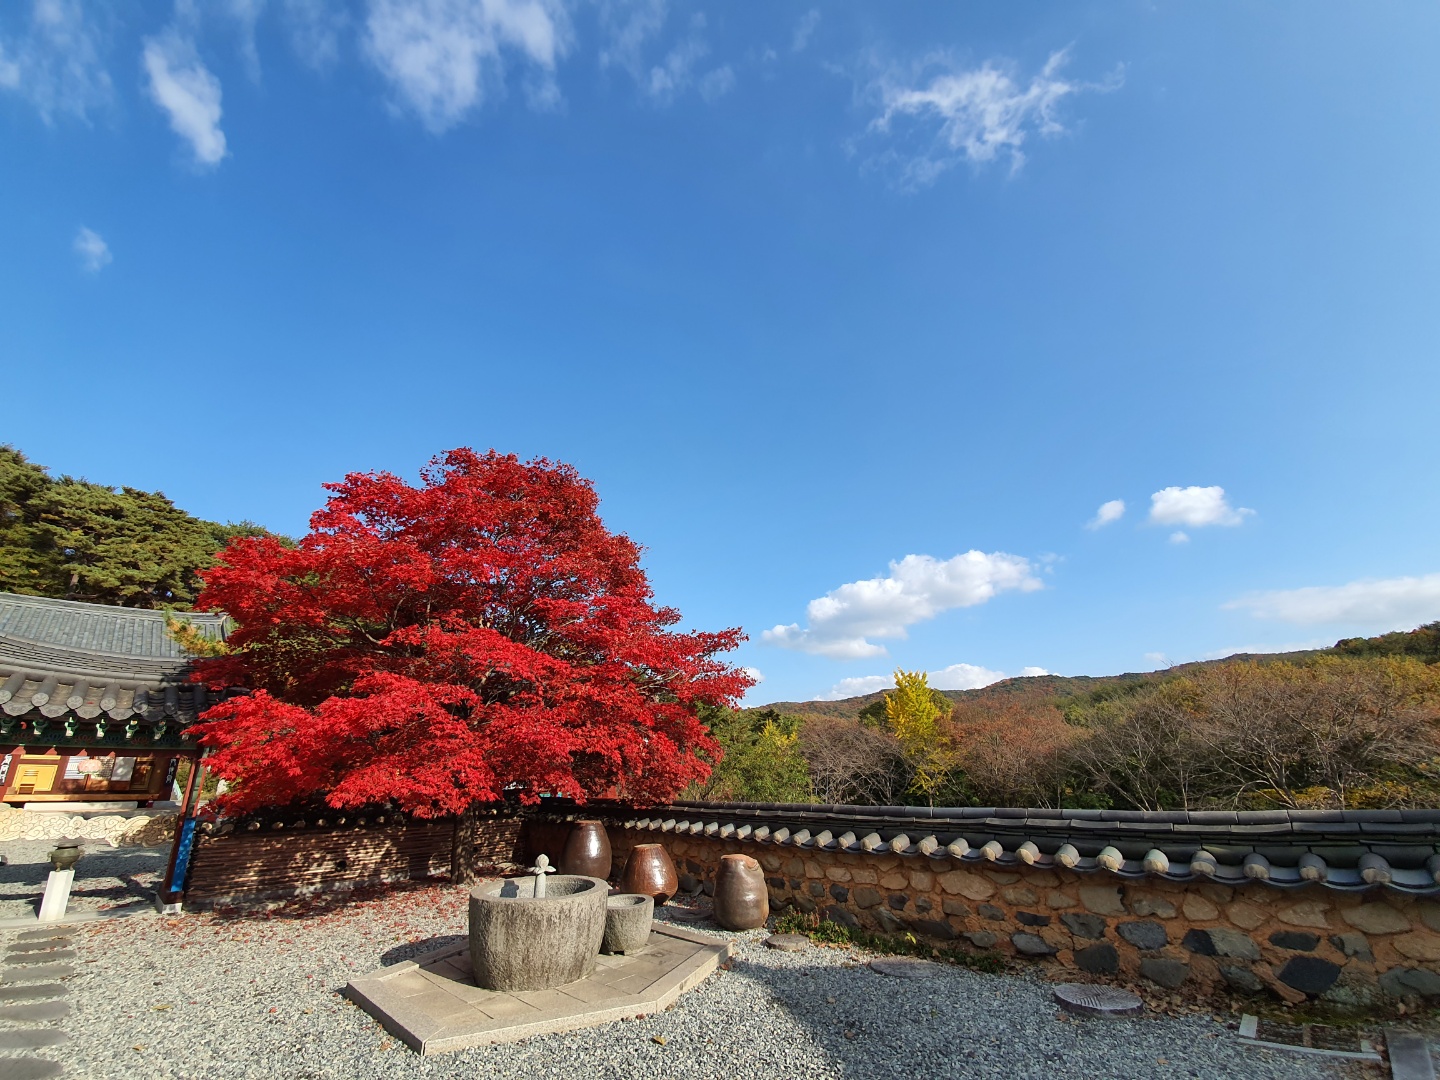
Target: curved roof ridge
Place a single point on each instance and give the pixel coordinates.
(100, 630)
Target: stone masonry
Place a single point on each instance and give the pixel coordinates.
(1299, 943)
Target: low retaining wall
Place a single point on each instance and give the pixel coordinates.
(132, 828)
(1347, 948)
(245, 861)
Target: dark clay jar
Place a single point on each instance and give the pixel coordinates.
(741, 902)
(649, 871)
(587, 850)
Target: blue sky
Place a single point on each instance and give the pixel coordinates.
(856, 314)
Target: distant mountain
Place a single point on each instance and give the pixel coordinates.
(1048, 686)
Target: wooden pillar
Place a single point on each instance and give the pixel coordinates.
(170, 889)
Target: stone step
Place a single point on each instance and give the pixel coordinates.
(33, 992)
(38, 945)
(1409, 1056)
(39, 973)
(32, 1038)
(34, 1012)
(41, 958)
(29, 1068)
(43, 934)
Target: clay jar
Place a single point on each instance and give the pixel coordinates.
(741, 901)
(649, 871)
(587, 850)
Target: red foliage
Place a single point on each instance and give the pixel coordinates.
(437, 644)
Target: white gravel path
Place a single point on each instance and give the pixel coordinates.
(206, 996)
(105, 877)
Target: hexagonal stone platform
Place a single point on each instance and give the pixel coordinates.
(432, 1004)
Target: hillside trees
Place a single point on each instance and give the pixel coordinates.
(761, 761)
(851, 762)
(76, 540)
(1016, 753)
(1334, 732)
(443, 644)
(1326, 731)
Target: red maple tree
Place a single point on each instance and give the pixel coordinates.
(437, 645)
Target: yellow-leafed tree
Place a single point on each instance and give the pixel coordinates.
(924, 733)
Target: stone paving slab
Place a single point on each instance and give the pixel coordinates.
(35, 1012)
(32, 992)
(31, 1039)
(432, 1004)
(1409, 1055)
(41, 957)
(38, 973)
(38, 945)
(29, 1068)
(51, 934)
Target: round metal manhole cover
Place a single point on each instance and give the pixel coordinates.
(1098, 1000)
(788, 942)
(906, 967)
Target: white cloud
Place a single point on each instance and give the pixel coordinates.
(1179, 537)
(1159, 659)
(963, 677)
(184, 88)
(974, 115)
(315, 27)
(1195, 507)
(93, 251)
(754, 673)
(857, 686)
(57, 63)
(1111, 511)
(627, 28)
(630, 27)
(246, 13)
(676, 72)
(716, 84)
(803, 29)
(954, 677)
(443, 57)
(918, 587)
(1386, 603)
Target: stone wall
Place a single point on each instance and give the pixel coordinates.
(1309, 942)
(285, 858)
(131, 828)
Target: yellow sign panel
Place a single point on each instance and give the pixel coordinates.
(35, 778)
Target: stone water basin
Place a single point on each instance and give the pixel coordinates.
(519, 941)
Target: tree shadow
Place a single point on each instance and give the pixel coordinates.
(961, 1023)
(412, 949)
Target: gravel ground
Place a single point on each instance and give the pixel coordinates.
(209, 996)
(104, 877)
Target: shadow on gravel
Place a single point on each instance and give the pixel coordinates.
(970, 1024)
(319, 905)
(106, 876)
(416, 948)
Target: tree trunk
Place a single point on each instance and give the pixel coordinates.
(462, 846)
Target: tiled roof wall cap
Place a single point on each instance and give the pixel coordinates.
(55, 696)
(99, 629)
(1397, 849)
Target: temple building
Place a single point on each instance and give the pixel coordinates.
(93, 703)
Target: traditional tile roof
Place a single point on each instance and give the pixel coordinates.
(89, 674)
(1340, 849)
